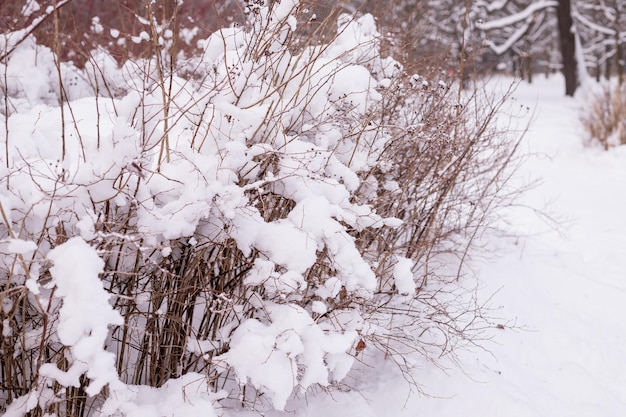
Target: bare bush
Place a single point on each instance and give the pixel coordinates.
(604, 115)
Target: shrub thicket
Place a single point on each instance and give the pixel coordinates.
(604, 115)
(283, 193)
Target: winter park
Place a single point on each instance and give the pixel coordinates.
(312, 208)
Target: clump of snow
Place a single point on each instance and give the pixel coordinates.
(403, 275)
(142, 37)
(96, 26)
(21, 247)
(30, 7)
(289, 342)
(84, 317)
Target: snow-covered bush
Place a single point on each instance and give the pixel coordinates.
(238, 226)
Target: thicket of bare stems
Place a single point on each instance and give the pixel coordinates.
(604, 115)
(443, 173)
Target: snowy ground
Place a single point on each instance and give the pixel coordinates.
(560, 291)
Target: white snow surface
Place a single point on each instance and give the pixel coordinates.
(559, 289)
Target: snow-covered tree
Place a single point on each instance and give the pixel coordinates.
(516, 22)
(601, 28)
(523, 31)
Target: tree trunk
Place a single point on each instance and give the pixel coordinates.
(568, 46)
(618, 44)
(607, 63)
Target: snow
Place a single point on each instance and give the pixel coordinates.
(96, 26)
(84, 317)
(30, 7)
(403, 275)
(188, 395)
(291, 339)
(21, 246)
